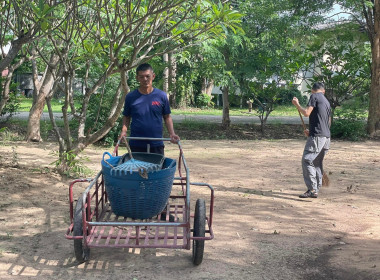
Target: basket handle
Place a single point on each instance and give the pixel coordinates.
(107, 153)
(128, 148)
(171, 164)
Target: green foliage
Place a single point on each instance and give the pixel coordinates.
(98, 112)
(349, 125)
(342, 57)
(6, 135)
(203, 100)
(286, 96)
(13, 104)
(71, 164)
(192, 124)
(265, 96)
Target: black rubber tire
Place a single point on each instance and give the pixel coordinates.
(199, 231)
(81, 254)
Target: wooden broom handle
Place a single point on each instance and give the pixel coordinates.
(303, 123)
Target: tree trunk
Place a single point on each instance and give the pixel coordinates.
(209, 87)
(165, 74)
(5, 90)
(7, 83)
(16, 46)
(33, 132)
(172, 80)
(204, 85)
(374, 96)
(226, 108)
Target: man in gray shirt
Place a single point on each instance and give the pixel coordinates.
(318, 110)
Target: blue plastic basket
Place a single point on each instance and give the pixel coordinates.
(134, 197)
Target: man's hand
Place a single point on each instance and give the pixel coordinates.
(295, 101)
(306, 132)
(174, 138)
(306, 112)
(122, 134)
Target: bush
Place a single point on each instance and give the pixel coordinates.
(97, 115)
(348, 125)
(98, 111)
(286, 96)
(203, 100)
(13, 103)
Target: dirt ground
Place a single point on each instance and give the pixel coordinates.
(262, 229)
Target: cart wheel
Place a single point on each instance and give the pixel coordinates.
(82, 254)
(199, 231)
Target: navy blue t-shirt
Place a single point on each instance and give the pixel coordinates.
(146, 111)
(320, 116)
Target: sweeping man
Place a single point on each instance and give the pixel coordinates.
(318, 138)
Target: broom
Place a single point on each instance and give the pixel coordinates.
(325, 178)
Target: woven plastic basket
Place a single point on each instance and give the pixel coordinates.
(134, 197)
(148, 157)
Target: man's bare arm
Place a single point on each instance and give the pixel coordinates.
(304, 111)
(169, 125)
(124, 129)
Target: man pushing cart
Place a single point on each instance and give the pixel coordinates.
(141, 199)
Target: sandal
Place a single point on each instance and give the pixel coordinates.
(309, 194)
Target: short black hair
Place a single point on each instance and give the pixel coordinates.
(318, 86)
(144, 67)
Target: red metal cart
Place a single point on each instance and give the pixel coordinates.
(94, 225)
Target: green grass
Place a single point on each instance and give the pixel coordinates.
(26, 104)
(56, 104)
(280, 111)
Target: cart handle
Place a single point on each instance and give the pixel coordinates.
(140, 138)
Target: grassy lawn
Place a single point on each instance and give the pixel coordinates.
(26, 104)
(279, 111)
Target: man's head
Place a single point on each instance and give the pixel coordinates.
(144, 67)
(318, 87)
(145, 75)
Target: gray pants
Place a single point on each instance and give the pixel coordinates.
(312, 161)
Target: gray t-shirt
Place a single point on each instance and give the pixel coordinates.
(320, 116)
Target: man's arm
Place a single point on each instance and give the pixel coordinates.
(124, 129)
(306, 112)
(169, 125)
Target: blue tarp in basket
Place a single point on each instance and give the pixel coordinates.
(134, 197)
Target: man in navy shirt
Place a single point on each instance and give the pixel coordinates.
(144, 110)
(318, 138)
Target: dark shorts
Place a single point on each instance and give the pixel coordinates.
(155, 150)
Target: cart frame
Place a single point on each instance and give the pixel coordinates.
(93, 225)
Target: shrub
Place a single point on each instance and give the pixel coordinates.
(13, 103)
(348, 125)
(203, 100)
(286, 96)
(71, 165)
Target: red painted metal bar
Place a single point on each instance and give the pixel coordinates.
(109, 236)
(118, 236)
(210, 231)
(211, 200)
(71, 196)
(156, 235)
(128, 235)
